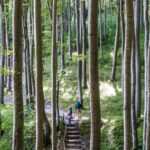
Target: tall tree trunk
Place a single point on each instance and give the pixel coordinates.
(31, 55)
(123, 35)
(62, 43)
(94, 76)
(69, 28)
(28, 82)
(142, 14)
(39, 75)
(2, 55)
(100, 16)
(138, 60)
(57, 97)
(7, 48)
(54, 72)
(25, 62)
(18, 118)
(47, 130)
(79, 67)
(122, 24)
(146, 20)
(113, 76)
(148, 103)
(127, 75)
(105, 19)
(133, 83)
(84, 77)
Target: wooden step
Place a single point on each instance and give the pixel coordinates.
(75, 132)
(73, 145)
(73, 141)
(72, 136)
(72, 148)
(72, 128)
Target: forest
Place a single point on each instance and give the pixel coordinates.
(74, 75)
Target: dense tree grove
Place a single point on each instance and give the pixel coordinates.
(74, 74)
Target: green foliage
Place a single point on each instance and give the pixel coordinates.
(7, 126)
(85, 128)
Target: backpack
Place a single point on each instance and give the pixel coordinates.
(70, 112)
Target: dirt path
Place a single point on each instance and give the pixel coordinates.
(63, 112)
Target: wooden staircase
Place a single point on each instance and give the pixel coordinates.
(72, 137)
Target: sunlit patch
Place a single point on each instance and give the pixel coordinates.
(67, 96)
(45, 88)
(112, 54)
(107, 90)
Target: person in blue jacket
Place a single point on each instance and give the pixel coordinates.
(78, 108)
(69, 114)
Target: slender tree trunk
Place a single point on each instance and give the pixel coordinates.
(6, 44)
(28, 82)
(133, 83)
(148, 103)
(113, 76)
(122, 25)
(84, 77)
(2, 55)
(47, 130)
(31, 58)
(79, 67)
(39, 75)
(62, 43)
(146, 19)
(123, 35)
(93, 76)
(138, 60)
(8, 84)
(100, 16)
(57, 97)
(105, 19)
(142, 14)
(25, 62)
(54, 71)
(69, 28)
(127, 75)
(18, 118)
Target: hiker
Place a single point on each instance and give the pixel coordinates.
(69, 114)
(78, 108)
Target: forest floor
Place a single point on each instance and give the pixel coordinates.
(62, 112)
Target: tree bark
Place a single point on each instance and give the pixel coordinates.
(79, 64)
(94, 76)
(127, 75)
(84, 77)
(146, 20)
(138, 59)
(2, 55)
(57, 99)
(148, 104)
(69, 29)
(100, 16)
(123, 35)
(133, 83)
(54, 72)
(62, 43)
(7, 47)
(39, 75)
(113, 76)
(105, 19)
(18, 118)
